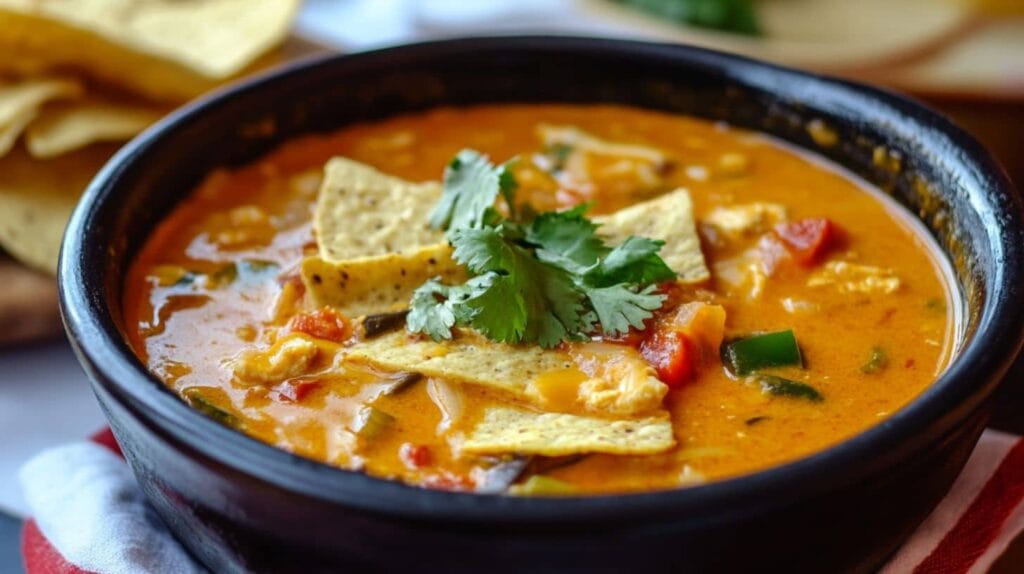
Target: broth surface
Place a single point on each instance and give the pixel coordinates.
(724, 427)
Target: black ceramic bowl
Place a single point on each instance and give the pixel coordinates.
(240, 505)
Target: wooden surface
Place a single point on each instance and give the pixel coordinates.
(28, 304)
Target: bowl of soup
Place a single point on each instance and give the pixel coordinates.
(546, 303)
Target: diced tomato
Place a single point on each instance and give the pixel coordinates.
(295, 391)
(448, 481)
(414, 455)
(807, 239)
(323, 323)
(683, 341)
(673, 355)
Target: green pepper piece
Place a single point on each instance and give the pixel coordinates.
(788, 388)
(204, 405)
(877, 361)
(538, 485)
(744, 356)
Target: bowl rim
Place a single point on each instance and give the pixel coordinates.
(959, 391)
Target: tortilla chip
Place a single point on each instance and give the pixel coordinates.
(468, 359)
(68, 127)
(9, 134)
(20, 103)
(377, 284)
(372, 232)
(511, 430)
(362, 212)
(170, 50)
(37, 197)
(627, 386)
(670, 219)
(375, 245)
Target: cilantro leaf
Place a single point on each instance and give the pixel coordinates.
(634, 261)
(435, 308)
(567, 239)
(546, 280)
(471, 186)
(555, 304)
(538, 301)
(498, 312)
(619, 307)
(508, 185)
(484, 250)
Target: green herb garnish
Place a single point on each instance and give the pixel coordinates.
(557, 155)
(877, 361)
(244, 271)
(738, 16)
(471, 185)
(546, 280)
(788, 388)
(204, 405)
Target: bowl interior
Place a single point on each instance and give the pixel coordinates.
(926, 164)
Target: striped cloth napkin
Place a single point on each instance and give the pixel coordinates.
(91, 516)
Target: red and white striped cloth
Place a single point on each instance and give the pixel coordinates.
(90, 516)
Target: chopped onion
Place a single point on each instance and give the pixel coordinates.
(448, 399)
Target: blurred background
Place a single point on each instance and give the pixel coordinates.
(80, 77)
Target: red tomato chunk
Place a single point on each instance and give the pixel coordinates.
(414, 455)
(672, 354)
(294, 391)
(807, 239)
(324, 324)
(683, 341)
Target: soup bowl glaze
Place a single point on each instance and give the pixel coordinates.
(241, 505)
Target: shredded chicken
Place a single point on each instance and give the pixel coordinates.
(586, 162)
(582, 141)
(855, 278)
(743, 273)
(289, 357)
(746, 220)
(618, 383)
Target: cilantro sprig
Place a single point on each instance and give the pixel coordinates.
(546, 279)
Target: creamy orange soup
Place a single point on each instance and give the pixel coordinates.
(869, 304)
